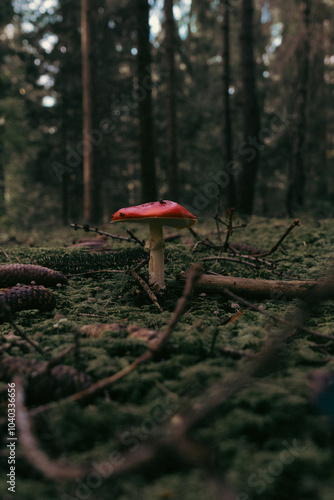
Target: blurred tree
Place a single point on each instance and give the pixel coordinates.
(65, 57)
(91, 175)
(68, 109)
(319, 116)
(144, 99)
(6, 13)
(200, 106)
(247, 176)
(88, 172)
(295, 192)
(172, 161)
(227, 117)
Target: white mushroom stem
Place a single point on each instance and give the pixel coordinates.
(156, 245)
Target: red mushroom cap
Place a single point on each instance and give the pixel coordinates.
(170, 213)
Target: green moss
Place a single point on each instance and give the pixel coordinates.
(249, 434)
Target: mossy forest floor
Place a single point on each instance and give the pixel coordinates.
(268, 440)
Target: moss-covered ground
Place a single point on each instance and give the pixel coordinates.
(268, 441)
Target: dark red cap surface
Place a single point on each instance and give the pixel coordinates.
(169, 212)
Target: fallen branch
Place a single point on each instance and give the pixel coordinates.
(103, 233)
(147, 289)
(273, 249)
(230, 259)
(193, 275)
(250, 261)
(172, 446)
(134, 237)
(267, 289)
(25, 337)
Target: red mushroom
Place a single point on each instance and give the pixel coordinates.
(157, 214)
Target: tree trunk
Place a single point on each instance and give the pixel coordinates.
(145, 108)
(92, 198)
(172, 163)
(2, 126)
(230, 194)
(321, 96)
(2, 179)
(250, 155)
(296, 182)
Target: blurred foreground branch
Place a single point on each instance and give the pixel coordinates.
(170, 443)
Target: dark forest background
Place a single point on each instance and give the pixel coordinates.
(109, 103)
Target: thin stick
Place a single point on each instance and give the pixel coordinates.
(56, 360)
(141, 264)
(256, 263)
(105, 383)
(193, 275)
(216, 216)
(5, 253)
(172, 237)
(147, 289)
(236, 352)
(98, 271)
(273, 249)
(193, 232)
(133, 236)
(230, 259)
(257, 260)
(103, 233)
(24, 336)
(229, 231)
(59, 357)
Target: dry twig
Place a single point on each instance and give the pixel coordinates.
(273, 249)
(134, 237)
(24, 336)
(103, 233)
(147, 289)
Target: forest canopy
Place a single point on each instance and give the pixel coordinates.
(106, 104)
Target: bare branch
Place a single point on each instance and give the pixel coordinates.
(273, 249)
(24, 336)
(147, 289)
(103, 233)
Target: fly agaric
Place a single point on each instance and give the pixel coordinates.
(157, 214)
